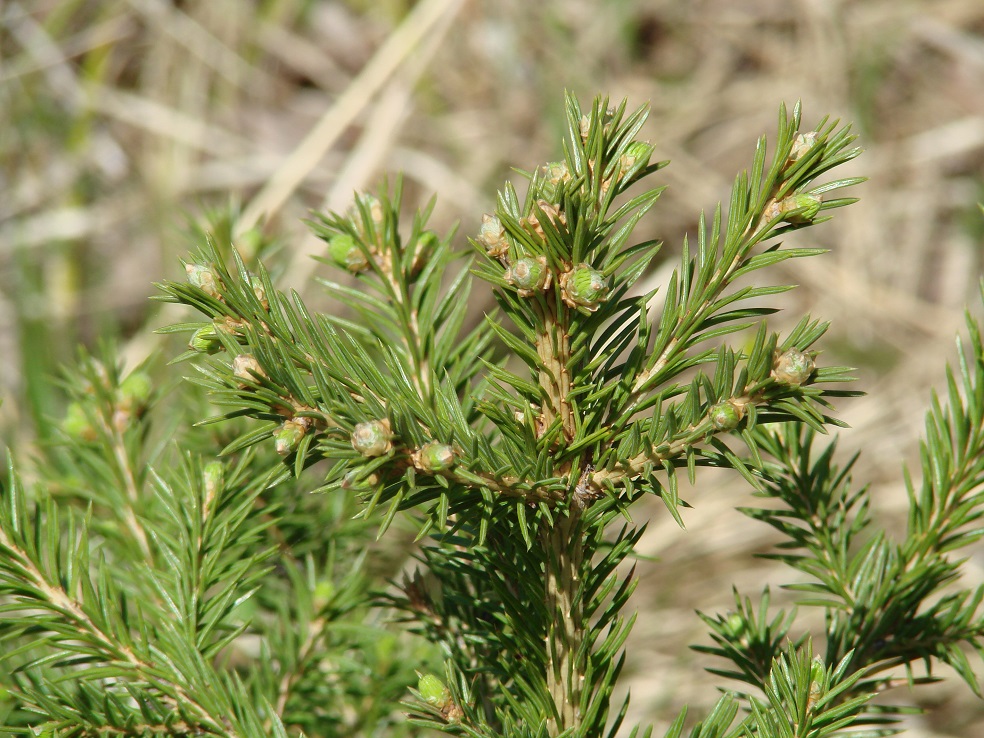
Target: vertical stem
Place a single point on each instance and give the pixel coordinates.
(565, 630)
(562, 544)
(553, 346)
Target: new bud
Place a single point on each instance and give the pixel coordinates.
(726, 416)
(134, 391)
(637, 154)
(288, 436)
(808, 206)
(528, 275)
(493, 236)
(372, 438)
(203, 278)
(76, 423)
(344, 250)
(205, 340)
(801, 146)
(434, 457)
(793, 367)
(584, 287)
(433, 691)
(213, 476)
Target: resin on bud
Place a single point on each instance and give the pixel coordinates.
(288, 436)
(793, 367)
(492, 236)
(372, 438)
(434, 457)
(726, 415)
(528, 275)
(345, 251)
(433, 691)
(583, 287)
(205, 340)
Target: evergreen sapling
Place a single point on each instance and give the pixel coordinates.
(207, 587)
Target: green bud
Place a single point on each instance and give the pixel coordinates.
(247, 367)
(76, 423)
(323, 592)
(528, 275)
(433, 691)
(638, 154)
(427, 241)
(726, 416)
(434, 457)
(213, 476)
(344, 250)
(734, 625)
(818, 670)
(358, 481)
(808, 204)
(817, 673)
(492, 236)
(372, 438)
(801, 146)
(288, 436)
(424, 250)
(250, 241)
(372, 204)
(205, 340)
(793, 367)
(134, 391)
(555, 174)
(202, 277)
(584, 287)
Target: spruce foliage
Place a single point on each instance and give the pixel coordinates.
(162, 579)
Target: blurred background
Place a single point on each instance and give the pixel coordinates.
(124, 121)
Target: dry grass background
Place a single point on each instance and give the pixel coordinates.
(119, 117)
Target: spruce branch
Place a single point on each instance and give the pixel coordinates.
(524, 471)
(887, 604)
